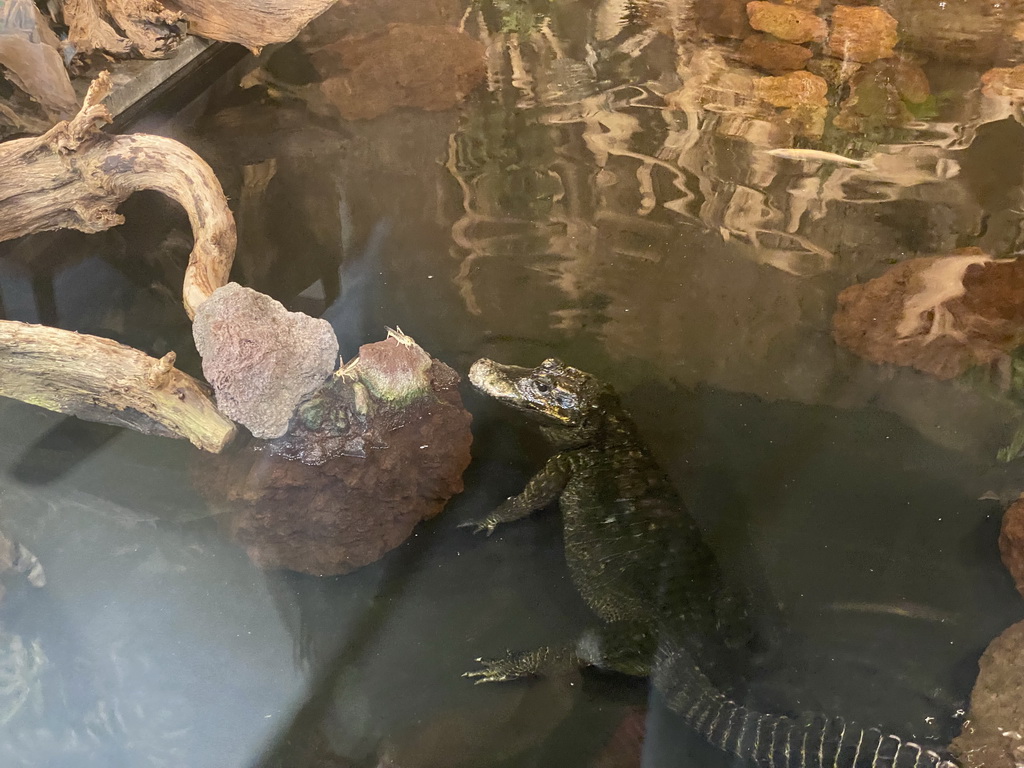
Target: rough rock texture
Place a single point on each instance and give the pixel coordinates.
(941, 315)
(862, 33)
(1011, 542)
(775, 56)
(362, 463)
(991, 736)
(260, 359)
(407, 65)
(786, 22)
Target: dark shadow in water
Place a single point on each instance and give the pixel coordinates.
(61, 449)
(297, 744)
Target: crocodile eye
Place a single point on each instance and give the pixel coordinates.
(542, 387)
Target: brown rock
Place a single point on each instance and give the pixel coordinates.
(724, 18)
(261, 359)
(991, 736)
(407, 65)
(359, 467)
(797, 89)
(863, 34)
(771, 55)
(786, 22)
(942, 315)
(1011, 542)
(1003, 81)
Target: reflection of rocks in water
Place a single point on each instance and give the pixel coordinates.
(427, 67)
(21, 666)
(991, 735)
(380, 447)
(974, 31)
(942, 315)
(863, 34)
(16, 557)
(879, 97)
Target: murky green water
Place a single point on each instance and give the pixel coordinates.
(607, 196)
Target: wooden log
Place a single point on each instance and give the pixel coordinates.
(123, 27)
(253, 23)
(101, 380)
(74, 176)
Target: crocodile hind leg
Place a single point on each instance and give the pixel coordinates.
(620, 646)
(542, 489)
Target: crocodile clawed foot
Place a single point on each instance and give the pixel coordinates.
(485, 526)
(511, 666)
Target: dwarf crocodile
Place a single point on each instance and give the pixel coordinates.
(639, 561)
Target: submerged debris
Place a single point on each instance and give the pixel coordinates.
(380, 447)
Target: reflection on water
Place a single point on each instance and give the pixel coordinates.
(670, 194)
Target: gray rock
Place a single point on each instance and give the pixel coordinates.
(261, 360)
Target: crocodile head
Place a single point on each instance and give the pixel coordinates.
(553, 393)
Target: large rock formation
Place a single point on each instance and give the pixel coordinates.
(380, 447)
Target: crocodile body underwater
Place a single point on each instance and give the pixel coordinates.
(639, 561)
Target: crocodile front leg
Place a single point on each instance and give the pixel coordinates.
(544, 488)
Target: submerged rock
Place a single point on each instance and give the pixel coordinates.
(941, 315)
(382, 445)
(261, 359)
(776, 56)
(991, 736)
(430, 67)
(862, 33)
(1011, 542)
(786, 22)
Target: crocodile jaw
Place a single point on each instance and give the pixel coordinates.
(496, 380)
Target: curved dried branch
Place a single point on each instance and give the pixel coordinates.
(100, 380)
(75, 176)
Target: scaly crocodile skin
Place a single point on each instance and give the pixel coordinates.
(638, 559)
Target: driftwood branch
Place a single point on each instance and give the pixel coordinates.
(253, 23)
(100, 380)
(74, 177)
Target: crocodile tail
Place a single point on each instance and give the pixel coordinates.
(778, 741)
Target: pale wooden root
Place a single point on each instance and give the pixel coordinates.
(122, 27)
(100, 380)
(253, 23)
(74, 177)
